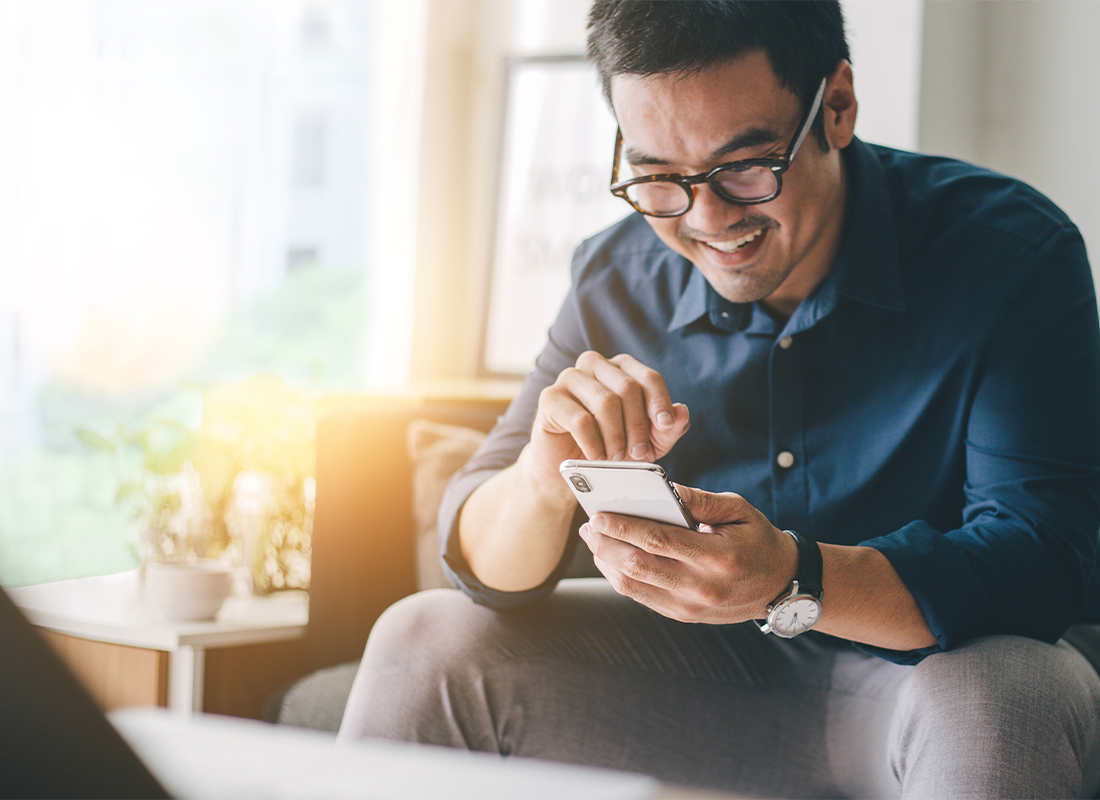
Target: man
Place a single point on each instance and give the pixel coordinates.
(893, 360)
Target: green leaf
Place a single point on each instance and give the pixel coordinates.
(96, 440)
(166, 463)
(124, 433)
(125, 490)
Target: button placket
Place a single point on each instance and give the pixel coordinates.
(787, 435)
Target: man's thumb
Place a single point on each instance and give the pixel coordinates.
(715, 509)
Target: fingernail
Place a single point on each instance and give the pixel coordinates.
(583, 531)
(619, 456)
(664, 420)
(598, 522)
(639, 451)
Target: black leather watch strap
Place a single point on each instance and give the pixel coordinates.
(809, 564)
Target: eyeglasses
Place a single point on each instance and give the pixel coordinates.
(755, 180)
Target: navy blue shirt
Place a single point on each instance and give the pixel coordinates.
(936, 397)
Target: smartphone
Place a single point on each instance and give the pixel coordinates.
(633, 488)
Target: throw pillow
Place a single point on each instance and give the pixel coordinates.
(437, 452)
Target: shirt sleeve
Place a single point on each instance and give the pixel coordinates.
(1022, 561)
(566, 341)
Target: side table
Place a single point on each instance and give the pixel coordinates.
(113, 610)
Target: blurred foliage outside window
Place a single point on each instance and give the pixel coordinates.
(65, 510)
(174, 295)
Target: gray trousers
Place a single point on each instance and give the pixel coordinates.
(589, 677)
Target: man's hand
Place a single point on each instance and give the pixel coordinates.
(728, 571)
(738, 562)
(514, 528)
(602, 409)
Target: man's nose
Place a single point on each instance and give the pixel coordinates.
(710, 213)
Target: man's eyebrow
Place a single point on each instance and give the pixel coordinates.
(750, 137)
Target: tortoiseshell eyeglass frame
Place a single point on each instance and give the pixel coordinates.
(777, 166)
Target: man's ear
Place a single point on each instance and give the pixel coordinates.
(839, 106)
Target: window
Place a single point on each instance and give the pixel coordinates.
(184, 205)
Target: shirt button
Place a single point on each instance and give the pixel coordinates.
(786, 342)
(785, 459)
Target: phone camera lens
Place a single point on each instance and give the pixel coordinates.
(580, 483)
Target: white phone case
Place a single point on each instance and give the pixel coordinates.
(633, 488)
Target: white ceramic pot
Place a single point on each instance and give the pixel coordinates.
(188, 591)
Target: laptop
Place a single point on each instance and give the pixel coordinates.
(54, 740)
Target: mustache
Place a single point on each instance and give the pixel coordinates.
(748, 224)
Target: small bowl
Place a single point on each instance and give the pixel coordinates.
(188, 591)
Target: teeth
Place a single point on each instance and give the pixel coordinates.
(733, 244)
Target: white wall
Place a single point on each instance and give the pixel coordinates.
(884, 39)
(1012, 86)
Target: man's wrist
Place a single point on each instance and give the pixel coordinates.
(549, 490)
(786, 574)
(798, 608)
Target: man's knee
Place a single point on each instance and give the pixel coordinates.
(1006, 706)
(427, 629)
(420, 669)
(999, 676)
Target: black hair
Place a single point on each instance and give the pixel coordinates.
(804, 40)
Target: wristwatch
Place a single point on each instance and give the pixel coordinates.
(797, 610)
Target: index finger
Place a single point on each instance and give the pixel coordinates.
(657, 401)
(668, 541)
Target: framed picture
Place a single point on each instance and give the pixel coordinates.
(557, 140)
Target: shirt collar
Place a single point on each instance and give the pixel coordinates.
(867, 268)
(699, 299)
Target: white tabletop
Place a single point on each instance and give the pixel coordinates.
(114, 608)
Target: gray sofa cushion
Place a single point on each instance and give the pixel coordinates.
(317, 701)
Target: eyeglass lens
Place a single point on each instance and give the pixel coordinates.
(659, 197)
(753, 183)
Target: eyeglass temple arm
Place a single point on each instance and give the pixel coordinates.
(618, 154)
(809, 120)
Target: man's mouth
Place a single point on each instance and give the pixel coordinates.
(730, 245)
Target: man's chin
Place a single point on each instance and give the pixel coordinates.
(743, 284)
(740, 290)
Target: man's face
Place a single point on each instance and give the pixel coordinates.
(775, 251)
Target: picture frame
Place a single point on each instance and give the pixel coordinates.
(556, 142)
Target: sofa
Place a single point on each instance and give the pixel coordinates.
(382, 465)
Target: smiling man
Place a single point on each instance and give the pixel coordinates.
(747, 253)
(892, 364)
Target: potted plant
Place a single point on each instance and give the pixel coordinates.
(240, 488)
(158, 485)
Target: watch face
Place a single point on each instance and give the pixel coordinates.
(795, 615)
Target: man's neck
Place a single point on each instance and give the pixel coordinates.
(818, 263)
